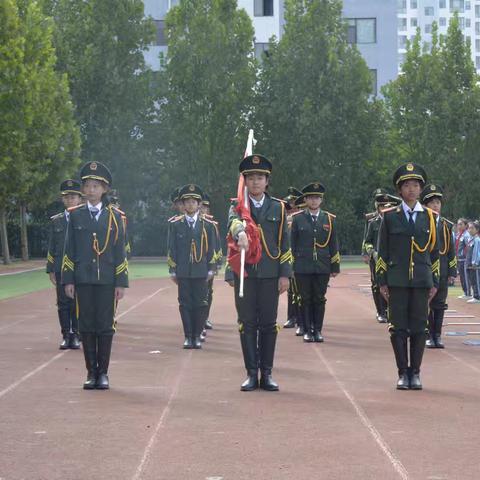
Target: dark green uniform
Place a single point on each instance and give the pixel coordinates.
(370, 246)
(191, 256)
(95, 262)
(408, 264)
(316, 256)
(65, 306)
(257, 310)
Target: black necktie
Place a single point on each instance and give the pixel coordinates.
(190, 221)
(94, 212)
(314, 218)
(411, 223)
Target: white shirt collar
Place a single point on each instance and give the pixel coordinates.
(417, 208)
(257, 203)
(67, 214)
(194, 217)
(314, 214)
(98, 205)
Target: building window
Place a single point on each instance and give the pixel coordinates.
(260, 50)
(413, 22)
(477, 63)
(428, 28)
(429, 11)
(461, 22)
(468, 23)
(402, 6)
(362, 30)
(477, 11)
(402, 24)
(263, 8)
(413, 4)
(477, 45)
(468, 5)
(442, 4)
(442, 21)
(402, 41)
(477, 28)
(457, 6)
(373, 73)
(160, 37)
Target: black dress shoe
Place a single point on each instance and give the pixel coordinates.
(308, 337)
(438, 342)
(267, 383)
(208, 325)
(415, 382)
(188, 344)
(203, 335)
(430, 343)
(74, 341)
(251, 383)
(381, 319)
(91, 381)
(197, 343)
(65, 345)
(300, 331)
(290, 323)
(403, 382)
(102, 382)
(317, 337)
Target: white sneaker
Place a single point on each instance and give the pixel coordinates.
(473, 300)
(462, 297)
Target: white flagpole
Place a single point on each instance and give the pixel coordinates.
(249, 150)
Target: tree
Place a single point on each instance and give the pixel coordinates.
(316, 114)
(208, 82)
(12, 82)
(434, 115)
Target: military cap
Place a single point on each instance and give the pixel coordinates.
(378, 193)
(255, 164)
(430, 192)
(174, 195)
(315, 188)
(70, 186)
(300, 202)
(190, 191)
(205, 199)
(294, 192)
(409, 171)
(96, 171)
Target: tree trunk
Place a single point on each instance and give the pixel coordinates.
(4, 236)
(23, 232)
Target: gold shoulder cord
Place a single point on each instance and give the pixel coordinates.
(193, 248)
(280, 236)
(430, 242)
(96, 245)
(322, 245)
(446, 240)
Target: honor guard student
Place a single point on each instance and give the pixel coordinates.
(267, 278)
(316, 258)
(192, 263)
(71, 197)
(95, 270)
(408, 272)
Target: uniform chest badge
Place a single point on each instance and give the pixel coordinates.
(326, 227)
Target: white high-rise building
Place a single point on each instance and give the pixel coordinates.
(413, 14)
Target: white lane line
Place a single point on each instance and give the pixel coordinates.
(21, 271)
(16, 323)
(463, 362)
(396, 463)
(31, 374)
(148, 449)
(59, 355)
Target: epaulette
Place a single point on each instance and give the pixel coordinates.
(330, 214)
(121, 212)
(450, 223)
(209, 220)
(175, 218)
(371, 215)
(71, 209)
(279, 200)
(57, 215)
(392, 209)
(296, 213)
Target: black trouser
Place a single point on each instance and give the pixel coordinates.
(66, 307)
(312, 288)
(472, 281)
(193, 304)
(96, 309)
(438, 306)
(257, 317)
(463, 277)
(210, 296)
(408, 317)
(380, 303)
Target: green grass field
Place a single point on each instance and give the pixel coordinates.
(28, 282)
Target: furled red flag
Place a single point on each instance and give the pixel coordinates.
(254, 253)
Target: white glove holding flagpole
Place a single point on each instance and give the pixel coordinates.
(248, 151)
